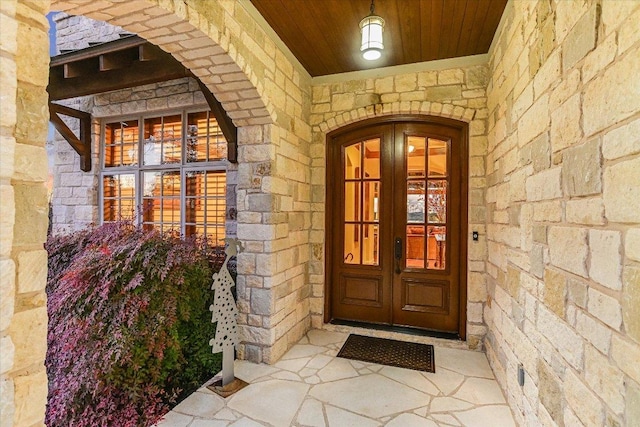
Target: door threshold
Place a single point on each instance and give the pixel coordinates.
(399, 329)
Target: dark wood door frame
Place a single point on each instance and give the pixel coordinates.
(332, 179)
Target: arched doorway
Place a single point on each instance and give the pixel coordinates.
(396, 228)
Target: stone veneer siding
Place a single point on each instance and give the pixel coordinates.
(435, 89)
(563, 210)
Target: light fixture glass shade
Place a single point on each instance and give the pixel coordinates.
(372, 28)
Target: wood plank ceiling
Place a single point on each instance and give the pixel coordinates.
(325, 37)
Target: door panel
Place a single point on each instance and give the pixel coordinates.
(394, 216)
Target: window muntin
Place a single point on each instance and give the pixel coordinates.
(181, 183)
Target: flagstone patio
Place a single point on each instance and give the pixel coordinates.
(309, 386)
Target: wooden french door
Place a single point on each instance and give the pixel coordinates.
(396, 225)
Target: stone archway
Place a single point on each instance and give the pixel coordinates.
(215, 41)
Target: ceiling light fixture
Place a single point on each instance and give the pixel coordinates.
(372, 27)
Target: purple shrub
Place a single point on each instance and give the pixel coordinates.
(129, 324)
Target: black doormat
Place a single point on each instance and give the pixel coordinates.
(409, 355)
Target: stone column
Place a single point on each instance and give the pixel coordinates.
(23, 226)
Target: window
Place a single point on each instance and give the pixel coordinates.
(166, 172)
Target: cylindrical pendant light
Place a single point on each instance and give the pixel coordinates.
(372, 27)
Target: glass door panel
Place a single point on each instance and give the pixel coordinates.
(426, 202)
(361, 202)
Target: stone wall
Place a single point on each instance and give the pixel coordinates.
(453, 89)
(563, 209)
(23, 212)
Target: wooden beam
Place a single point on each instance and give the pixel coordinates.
(149, 52)
(227, 127)
(81, 145)
(108, 47)
(138, 74)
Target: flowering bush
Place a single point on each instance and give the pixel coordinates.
(129, 324)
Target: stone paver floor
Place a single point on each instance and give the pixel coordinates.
(309, 386)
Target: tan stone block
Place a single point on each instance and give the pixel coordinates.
(606, 258)
(30, 398)
(31, 163)
(534, 121)
(550, 391)
(342, 101)
(427, 78)
(548, 75)
(448, 77)
(622, 141)
(580, 40)
(7, 217)
(626, 354)
(555, 284)
(585, 211)
(563, 337)
(565, 124)
(544, 185)
(8, 72)
(7, 292)
(32, 211)
(632, 244)
(582, 170)
(612, 96)
(597, 60)
(33, 43)
(7, 401)
(594, 332)
(583, 402)
(605, 379)
(384, 85)
(621, 192)
(568, 249)
(614, 13)
(567, 87)
(476, 76)
(405, 83)
(7, 352)
(28, 330)
(628, 32)
(631, 301)
(443, 93)
(547, 211)
(632, 407)
(32, 271)
(605, 308)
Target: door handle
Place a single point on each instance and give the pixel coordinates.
(397, 251)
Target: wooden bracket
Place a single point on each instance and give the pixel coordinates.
(227, 127)
(81, 145)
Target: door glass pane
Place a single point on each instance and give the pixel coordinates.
(436, 247)
(415, 246)
(437, 201)
(416, 157)
(371, 200)
(352, 241)
(352, 201)
(437, 158)
(372, 158)
(370, 244)
(352, 161)
(415, 202)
